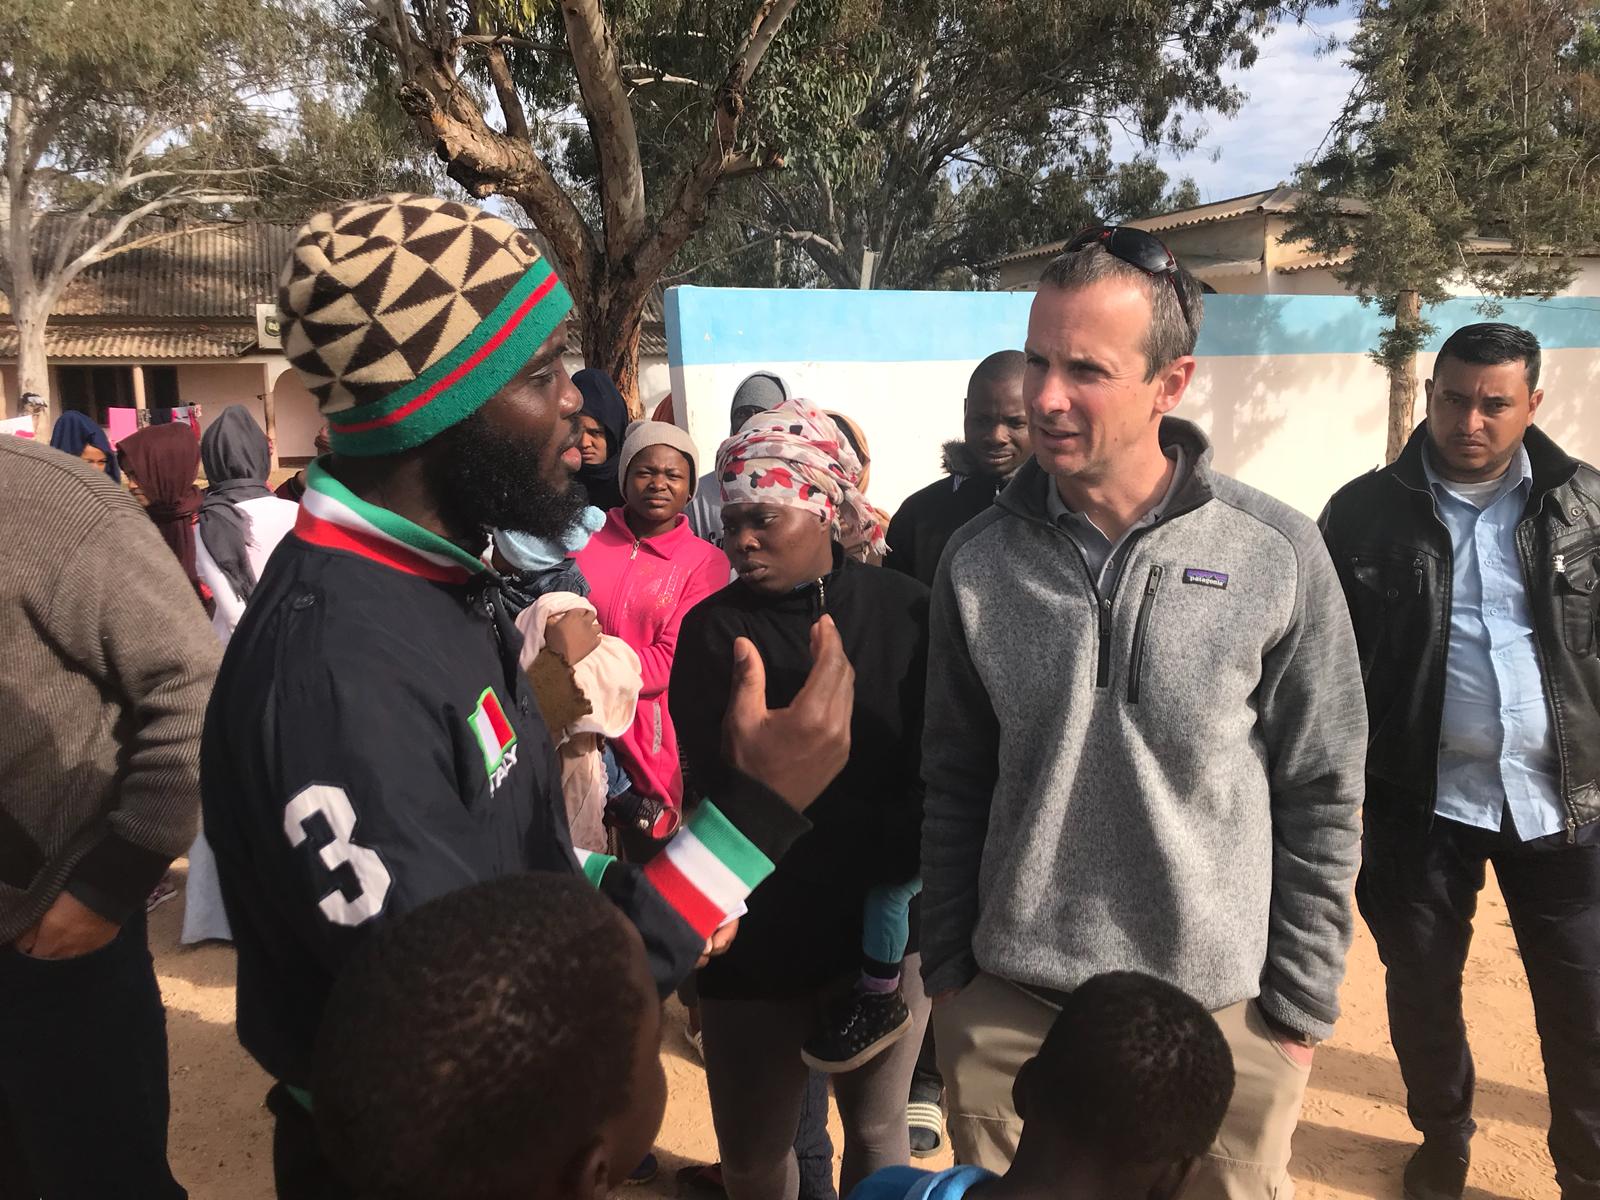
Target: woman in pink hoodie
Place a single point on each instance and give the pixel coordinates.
(646, 570)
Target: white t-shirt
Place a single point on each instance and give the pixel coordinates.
(270, 520)
(1479, 495)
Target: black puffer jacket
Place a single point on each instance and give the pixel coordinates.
(803, 929)
(1393, 555)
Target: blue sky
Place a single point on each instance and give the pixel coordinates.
(1293, 96)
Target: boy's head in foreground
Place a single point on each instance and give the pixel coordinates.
(501, 1041)
(1126, 1093)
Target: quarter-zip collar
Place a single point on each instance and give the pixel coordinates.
(334, 517)
(1028, 494)
(812, 595)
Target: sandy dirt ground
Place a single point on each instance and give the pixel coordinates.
(1353, 1138)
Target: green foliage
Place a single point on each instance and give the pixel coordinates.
(988, 126)
(1466, 154)
(804, 97)
(255, 100)
(174, 83)
(347, 137)
(933, 134)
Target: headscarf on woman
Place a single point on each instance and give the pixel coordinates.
(237, 461)
(603, 403)
(795, 455)
(163, 460)
(74, 430)
(857, 438)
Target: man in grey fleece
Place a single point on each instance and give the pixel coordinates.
(1145, 730)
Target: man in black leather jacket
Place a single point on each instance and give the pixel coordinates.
(1470, 565)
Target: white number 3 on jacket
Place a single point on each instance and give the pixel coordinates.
(372, 877)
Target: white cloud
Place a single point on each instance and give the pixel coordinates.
(1293, 97)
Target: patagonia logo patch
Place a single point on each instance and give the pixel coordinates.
(1205, 578)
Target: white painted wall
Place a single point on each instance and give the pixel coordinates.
(1297, 426)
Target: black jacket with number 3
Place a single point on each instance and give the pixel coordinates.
(372, 744)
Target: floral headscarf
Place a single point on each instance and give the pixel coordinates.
(795, 455)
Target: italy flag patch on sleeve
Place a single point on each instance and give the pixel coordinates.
(496, 738)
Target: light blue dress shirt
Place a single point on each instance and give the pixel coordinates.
(1495, 743)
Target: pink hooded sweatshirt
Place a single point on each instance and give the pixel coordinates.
(642, 590)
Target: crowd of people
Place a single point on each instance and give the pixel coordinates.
(1026, 819)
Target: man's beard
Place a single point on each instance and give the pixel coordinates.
(486, 479)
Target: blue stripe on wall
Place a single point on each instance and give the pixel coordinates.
(706, 326)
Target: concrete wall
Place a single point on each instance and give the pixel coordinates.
(1285, 387)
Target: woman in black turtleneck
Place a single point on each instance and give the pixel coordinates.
(788, 494)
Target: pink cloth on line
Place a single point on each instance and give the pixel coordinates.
(642, 590)
(121, 423)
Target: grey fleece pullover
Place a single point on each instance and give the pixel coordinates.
(1168, 782)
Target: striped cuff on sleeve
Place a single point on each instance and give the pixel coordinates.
(593, 865)
(707, 870)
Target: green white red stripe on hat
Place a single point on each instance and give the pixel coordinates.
(461, 382)
(334, 517)
(705, 873)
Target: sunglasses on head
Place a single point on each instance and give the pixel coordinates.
(1138, 249)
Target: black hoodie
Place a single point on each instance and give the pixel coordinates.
(930, 517)
(804, 926)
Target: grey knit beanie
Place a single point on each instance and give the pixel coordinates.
(763, 390)
(643, 434)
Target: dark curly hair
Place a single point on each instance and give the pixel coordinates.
(475, 1043)
(1134, 1068)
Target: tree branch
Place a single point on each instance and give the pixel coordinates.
(611, 127)
(686, 211)
(505, 91)
(485, 162)
(494, 40)
(105, 246)
(638, 75)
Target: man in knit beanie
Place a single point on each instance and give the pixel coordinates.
(372, 741)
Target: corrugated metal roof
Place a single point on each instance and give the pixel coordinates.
(1312, 262)
(1276, 200)
(176, 269)
(1206, 266)
(138, 342)
(188, 270)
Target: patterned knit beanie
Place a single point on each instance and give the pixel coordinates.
(404, 314)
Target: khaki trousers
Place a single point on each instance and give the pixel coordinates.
(991, 1027)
